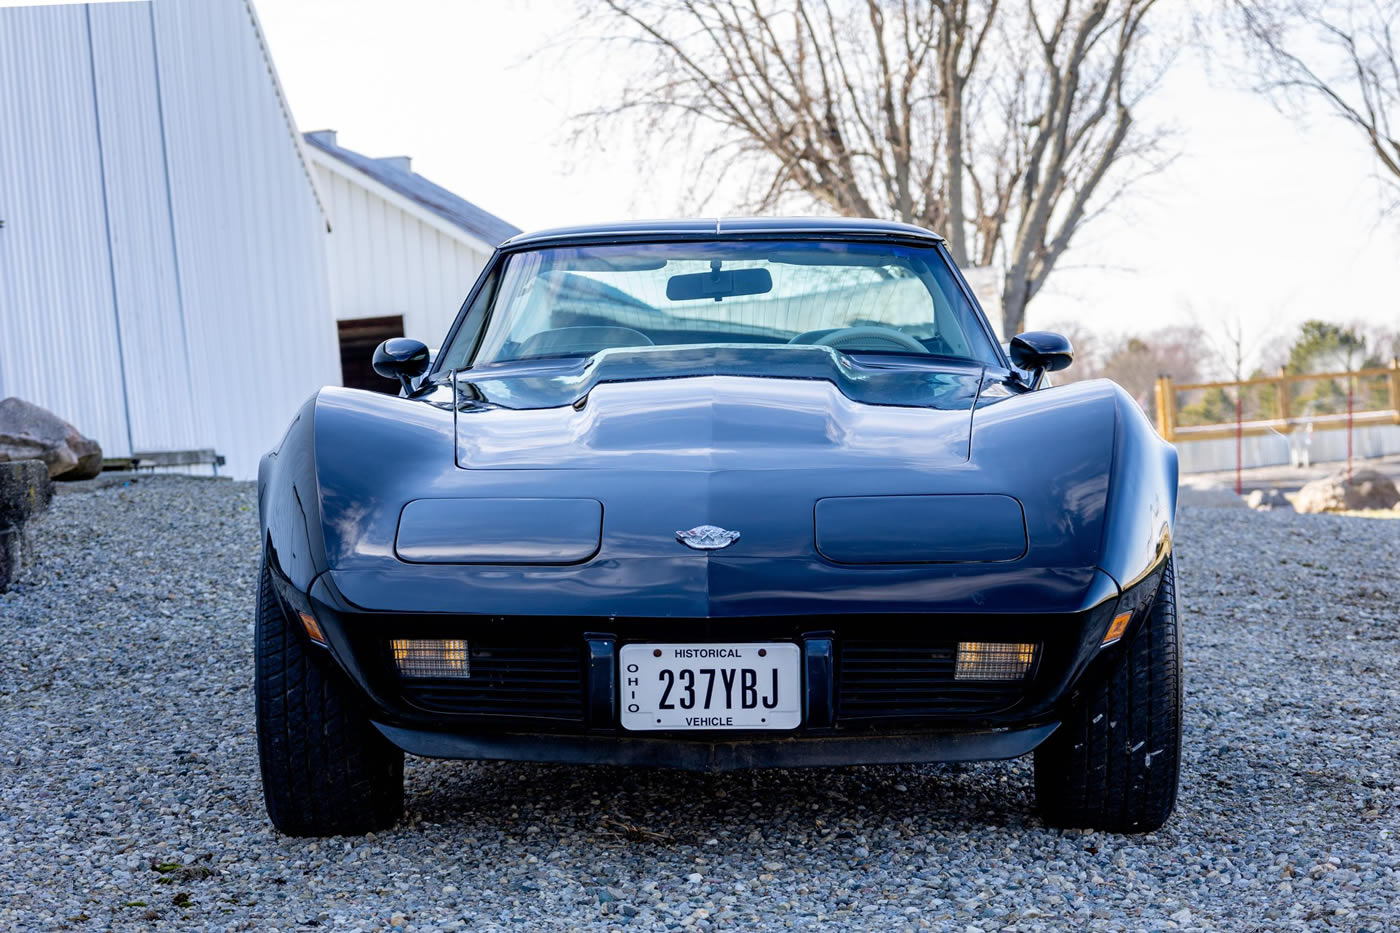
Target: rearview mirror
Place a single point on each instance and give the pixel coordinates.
(718, 284)
(1039, 352)
(402, 358)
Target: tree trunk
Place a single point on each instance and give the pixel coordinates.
(1014, 297)
(949, 48)
(957, 235)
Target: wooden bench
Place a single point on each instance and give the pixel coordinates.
(152, 459)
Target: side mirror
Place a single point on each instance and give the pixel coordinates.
(402, 358)
(1039, 352)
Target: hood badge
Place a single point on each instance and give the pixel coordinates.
(707, 537)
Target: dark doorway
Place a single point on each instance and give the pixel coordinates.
(358, 338)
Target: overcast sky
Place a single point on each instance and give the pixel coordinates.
(1259, 217)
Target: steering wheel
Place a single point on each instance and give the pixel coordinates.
(867, 337)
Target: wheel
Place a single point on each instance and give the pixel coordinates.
(1114, 761)
(326, 770)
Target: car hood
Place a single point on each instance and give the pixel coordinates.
(561, 488)
(715, 408)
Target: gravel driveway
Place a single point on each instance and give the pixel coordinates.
(129, 795)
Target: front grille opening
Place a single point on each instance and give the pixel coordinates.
(913, 680)
(497, 680)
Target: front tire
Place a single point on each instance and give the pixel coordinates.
(1114, 762)
(326, 770)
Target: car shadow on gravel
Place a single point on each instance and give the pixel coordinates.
(692, 808)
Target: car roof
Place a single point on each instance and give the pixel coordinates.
(724, 227)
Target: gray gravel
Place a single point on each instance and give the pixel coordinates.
(129, 795)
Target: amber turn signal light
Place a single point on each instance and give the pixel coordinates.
(313, 629)
(1119, 626)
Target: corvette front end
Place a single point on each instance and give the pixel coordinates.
(773, 550)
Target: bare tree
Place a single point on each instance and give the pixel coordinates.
(1232, 348)
(1135, 362)
(1345, 53)
(1089, 345)
(1000, 125)
(1229, 347)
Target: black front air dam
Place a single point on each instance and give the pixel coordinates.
(689, 755)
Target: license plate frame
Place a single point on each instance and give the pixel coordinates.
(716, 701)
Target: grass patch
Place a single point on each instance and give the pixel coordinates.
(173, 872)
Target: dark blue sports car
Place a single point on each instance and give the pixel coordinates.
(712, 495)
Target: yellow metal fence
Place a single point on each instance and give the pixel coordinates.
(1278, 404)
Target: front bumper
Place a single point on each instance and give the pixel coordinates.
(729, 755)
(546, 688)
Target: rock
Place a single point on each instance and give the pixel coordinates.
(1367, 489)
(25, 491)
(1266, 500)
(11, 555)
(1208, 495)
(89, 464)
(28, 432)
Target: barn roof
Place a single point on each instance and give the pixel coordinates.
(395, 173)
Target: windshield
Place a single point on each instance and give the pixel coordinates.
(854, 297)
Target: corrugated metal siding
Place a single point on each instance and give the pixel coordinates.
(154, 349)
(253, 245)
(58, 340)
(213, 280)
(385, 261)
(1216, 454)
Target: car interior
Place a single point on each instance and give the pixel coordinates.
(570, 303)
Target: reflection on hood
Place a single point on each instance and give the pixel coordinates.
(907, 381)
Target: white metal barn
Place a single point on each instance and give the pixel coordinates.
(404, 252)
(163, 266)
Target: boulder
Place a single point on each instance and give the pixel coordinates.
(1367, 489)
(25, 491)
(1202, 494)
(1266, 500)
(28, 432)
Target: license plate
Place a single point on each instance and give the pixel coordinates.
(686, 687)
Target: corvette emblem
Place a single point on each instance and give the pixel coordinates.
(707, 537)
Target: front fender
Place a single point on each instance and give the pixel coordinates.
(1137, 536)
(1053, 450)
(347, 462)
(1098, 484)
(375, 453)
(289, 512)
